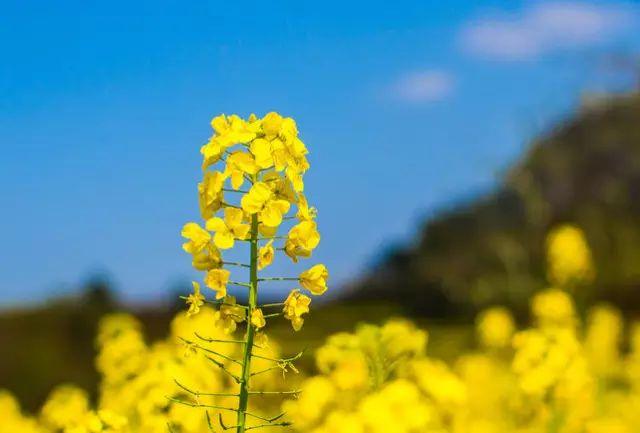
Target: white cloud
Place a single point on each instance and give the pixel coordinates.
(546, 27)
(424, 86)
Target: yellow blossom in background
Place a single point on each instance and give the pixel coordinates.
(315, 279)
(65, 406)
(495, 327)
(603, 340)
(569, 261)
(553, 308)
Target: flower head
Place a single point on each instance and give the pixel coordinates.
(208, 258)
(198, 238)
(195, 300)
(210, 193)
(266, 255)
(315, 279)
(239, 164)
(217, 279)
(569, 257)
(295, 306)
(257, 318)
(302, 239)
(229, 315)
(261, 200)
(229, 229)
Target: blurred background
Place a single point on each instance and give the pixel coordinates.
(446, 140)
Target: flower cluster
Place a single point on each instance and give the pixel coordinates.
(252, 182)
(569, 261)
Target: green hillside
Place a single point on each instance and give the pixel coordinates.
(585, 171)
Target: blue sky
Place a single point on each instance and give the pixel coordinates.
(104, 105)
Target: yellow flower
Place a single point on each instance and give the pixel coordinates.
(569, 260)
(261, 339)
(198, 238)
(228, 315)
(261, 150)
(228, 132)
(112, 419)
(315, 279)
(295, 306)
(301, 240)
(257, 318)
(210, 193)
(294, 172)
(217, 279)
(195, 300)
(229, 229)
(267, 232)
(239, 163)
(265, 255)
(208, 258)
(553, 308)
(280, 186)
(232, 130)
(495, 327)
(261, 200)
(212, 151)
(305, 213)
(271, 124)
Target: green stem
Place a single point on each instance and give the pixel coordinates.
(248, 347)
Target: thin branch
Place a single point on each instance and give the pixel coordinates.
(186, 403)
(280, 424)
(281, 360)
(238, 283)
(276, 304)
(236, 264)
(266, 316)
(223, 368)
(224, 427)
(209, 422)
(206, 394)
(234, 190)
(294, 392)
(219, 302)
(222, 355)
(275, 367)
(225, 204)
(278, 279)
(214, 340)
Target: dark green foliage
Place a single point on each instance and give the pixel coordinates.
(491, 250)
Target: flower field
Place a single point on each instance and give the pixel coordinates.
(220, 368)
